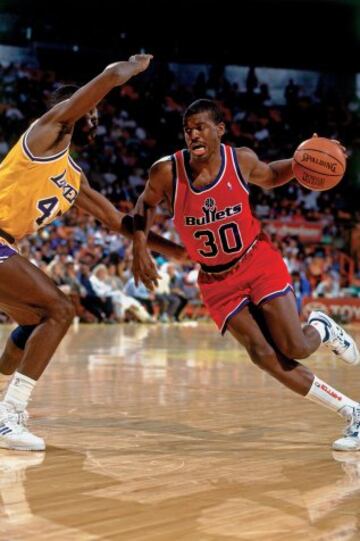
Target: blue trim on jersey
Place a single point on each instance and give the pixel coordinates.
(238, 171)
(186, 156)
(236, 310)
(275, 294)
(174, 184)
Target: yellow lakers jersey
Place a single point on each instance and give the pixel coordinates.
(34, 190)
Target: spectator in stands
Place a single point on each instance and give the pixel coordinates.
(328, 287)
(302, 288)
(134, 123)
(102, 309)
(122, 303)
(141, 294)
(177, 289)
(168, 303)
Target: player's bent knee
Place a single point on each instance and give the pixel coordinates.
(21, 334)
(295, 350)
(63, 311)
(67, 311)
(262, 355)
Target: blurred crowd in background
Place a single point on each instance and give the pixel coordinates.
(317, 232)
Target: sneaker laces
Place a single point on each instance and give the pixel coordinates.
(23, 418)
(17, 418)
(339, 341)
(353, 427)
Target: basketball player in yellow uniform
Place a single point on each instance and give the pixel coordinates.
(39, 181)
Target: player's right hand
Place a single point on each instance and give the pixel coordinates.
(144, 268)
(140, 61)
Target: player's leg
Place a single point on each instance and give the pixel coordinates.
(23, 285)
(297, 341)
(15, 345)
(271, 289)
(285, 328)
(250, 331)
(14, 348)
(247, 331)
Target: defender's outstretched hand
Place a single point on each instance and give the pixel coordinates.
(141, 61)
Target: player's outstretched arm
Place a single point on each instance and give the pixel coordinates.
(98, 206)
(60, 119)
(266, 175)
(157, 188)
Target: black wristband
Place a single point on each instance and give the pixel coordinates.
(139, 222)
(128, 223)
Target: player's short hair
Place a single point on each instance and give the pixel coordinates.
(62, 93)
(202, 106)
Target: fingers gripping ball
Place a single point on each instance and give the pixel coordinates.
(319, 164)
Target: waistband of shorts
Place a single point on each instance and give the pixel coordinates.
(6, 236)
(209, 277)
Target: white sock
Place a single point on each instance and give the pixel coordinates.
(322, 393)
(19, 391)
(320, 327)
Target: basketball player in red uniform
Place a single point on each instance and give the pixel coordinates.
(243, 279)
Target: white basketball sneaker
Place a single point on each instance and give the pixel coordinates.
(351, 439)
(336, 339)
(14, 433)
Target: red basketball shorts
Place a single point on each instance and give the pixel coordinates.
(259, 277)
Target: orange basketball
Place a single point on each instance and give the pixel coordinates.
(319, 164)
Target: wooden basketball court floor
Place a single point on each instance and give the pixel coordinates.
(167, 433)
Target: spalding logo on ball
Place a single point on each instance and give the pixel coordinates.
(319, 164)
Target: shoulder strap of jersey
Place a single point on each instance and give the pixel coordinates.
(179, 181)
(236, 167)
(38, 159)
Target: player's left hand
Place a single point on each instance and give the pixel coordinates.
(144, 268)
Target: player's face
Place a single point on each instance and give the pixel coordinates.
(85, 128)
(92, 121)
(203, 135)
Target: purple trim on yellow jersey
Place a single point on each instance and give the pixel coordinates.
(6, 252)
(39, 159)
(74, 164)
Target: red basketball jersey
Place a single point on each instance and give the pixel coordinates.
(215, 222)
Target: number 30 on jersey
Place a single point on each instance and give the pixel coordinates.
(230, 240)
